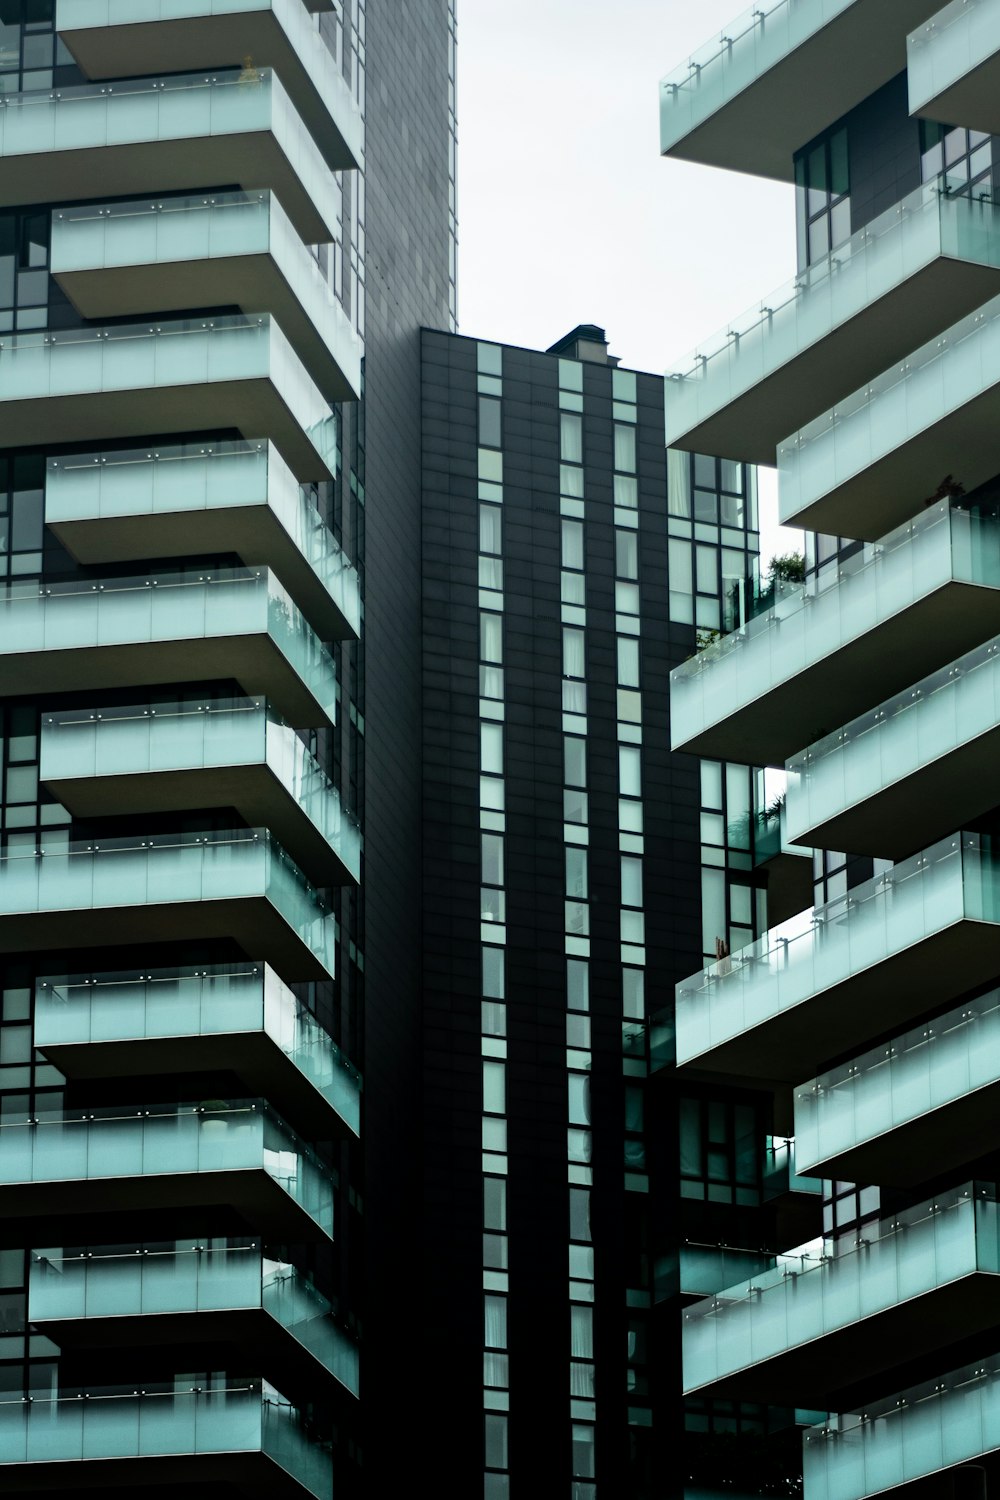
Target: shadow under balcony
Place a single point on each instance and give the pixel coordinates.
(174, 628)
(953, 65)
(934, 746)
(904, 278)
(833, 979)
(168, 887)
(828, 1316)
(907, 606)
(117, 40)
(140, 257)
(215, 1019)
(124, 380)
(182, 757)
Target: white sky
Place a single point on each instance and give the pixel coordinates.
(567, 212)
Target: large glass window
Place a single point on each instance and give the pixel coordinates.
(822, 179)
(963, 157)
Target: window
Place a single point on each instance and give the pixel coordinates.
(721, 1144)
(570, 437)
(963, 157)
(822, 179)
(489, 422)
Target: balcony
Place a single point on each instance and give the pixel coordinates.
(953, 65)
(215, 1019)
(244, 1434)
(217, 753)
(177, 627)
(796, 1201)
(907, 276)
(141, 257)
(205, 499)
(174, 134)
(778, 76)
(704, 1269)
(831, 649)
(948, 1423)
(230, 1291)
(933, 747)
(826, 1318)
(914, 1108)
(162, 1159)
(117, 38)
(787, 866)
(131, 379)
(169, 887)
(869, 463)
(835, 978)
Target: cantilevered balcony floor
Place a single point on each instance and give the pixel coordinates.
(246, 1435)
(205, 499)
(924, 595)
(833, 979)
(778, 76)
(169, 887)
(903, 279)
(141, 257)
(914, 1108)
(215, 1019)
(117, 40)
(131, 379)
(933, 748)
(873, 461)
(953, 65)
(164, 1159)
(181, 757)
(821, 1322)
(172, 628)
(173, 134)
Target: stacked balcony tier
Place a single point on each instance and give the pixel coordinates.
(832, 648)
(827, 1317)
(168, 887)
(911, 1439)
(953, 65)
(929, 260)
(778, 76)
(175, 628)
(231, 1291)
(882, 454)
(238, 1433)
(216, 753)
(133, 258)
(117, 38)
(214, 1019)
(916, 1107)
(834, 978)
(205, 499)
(161, 135)
(129, 380)
(933, 747)
(166, 1158)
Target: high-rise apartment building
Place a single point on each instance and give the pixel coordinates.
(869, 1021)
(222, 226)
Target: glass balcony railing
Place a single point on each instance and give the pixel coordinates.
(758, 1003)
(229, 622)
(204, 742)
(180, 131)
(115, 37)
(211, 1001)
(166, 1140)
(767, 685)
(219, 1276)
(705, 1269)
(64, 385)
(933, 1067)
(949, 56)
(210, 497)
(867, 464)
(235, 248)
(173, 1424)
(128, 879)
(780, 1174)
(815, 333)
(824, 1289)
(838, 785)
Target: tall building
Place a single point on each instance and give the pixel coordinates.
(222, 227)
(866, 1023)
